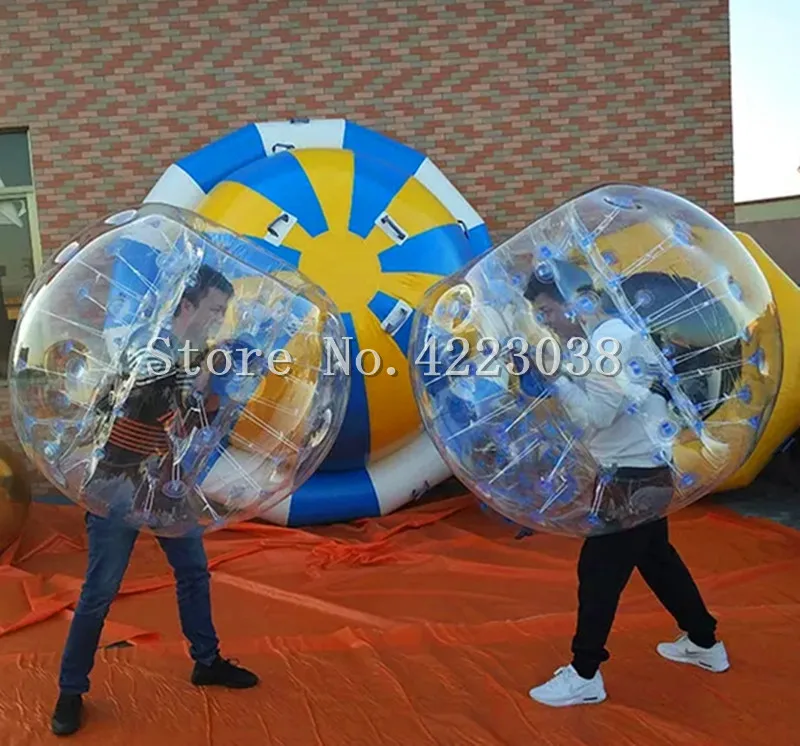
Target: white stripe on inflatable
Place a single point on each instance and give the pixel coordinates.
(237, 470)
(316, 133)
(429, 175)
(407, 474)
(176, 188)
(279, 514)
(397, 479)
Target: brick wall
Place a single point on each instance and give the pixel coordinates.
(520, 103)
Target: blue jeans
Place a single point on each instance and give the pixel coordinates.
(110, 548)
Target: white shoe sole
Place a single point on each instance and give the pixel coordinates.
(693, 662)
(570, 702)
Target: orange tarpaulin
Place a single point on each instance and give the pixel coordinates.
(425, 627)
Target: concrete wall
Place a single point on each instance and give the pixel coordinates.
(781, 240)
(775, 224)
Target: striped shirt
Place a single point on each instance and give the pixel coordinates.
(155, 405)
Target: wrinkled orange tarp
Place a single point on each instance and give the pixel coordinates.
(425, 627)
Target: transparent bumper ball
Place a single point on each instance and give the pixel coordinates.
(613, 362)
(170, 374)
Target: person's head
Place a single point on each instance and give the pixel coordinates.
(551, 308)
(202, 308)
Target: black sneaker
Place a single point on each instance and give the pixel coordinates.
(223, 673)
(67, 716)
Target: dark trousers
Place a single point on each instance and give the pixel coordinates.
(110, 548)
(605, 566)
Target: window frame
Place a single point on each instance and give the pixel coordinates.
(26, 194)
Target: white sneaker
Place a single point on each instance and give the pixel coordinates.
(683, 650)
(567, 688)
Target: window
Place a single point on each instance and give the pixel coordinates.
(20, 248)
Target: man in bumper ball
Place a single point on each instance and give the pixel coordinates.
(608, 560)
(139, 445)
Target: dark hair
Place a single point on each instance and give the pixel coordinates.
(537, 287)
(207, 278)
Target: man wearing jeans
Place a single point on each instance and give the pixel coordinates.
(140, 439)
(626, 441)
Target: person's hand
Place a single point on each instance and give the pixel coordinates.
(204, 376)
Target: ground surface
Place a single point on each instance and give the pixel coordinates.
(425, 627)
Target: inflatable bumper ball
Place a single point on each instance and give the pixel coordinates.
(627, 373)
(172, 374)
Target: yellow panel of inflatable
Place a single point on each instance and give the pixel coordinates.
(785, 418)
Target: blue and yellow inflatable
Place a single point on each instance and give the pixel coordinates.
(375, 224)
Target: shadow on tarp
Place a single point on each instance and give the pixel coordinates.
(424, 627)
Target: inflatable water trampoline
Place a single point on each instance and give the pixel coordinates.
(374, 223)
